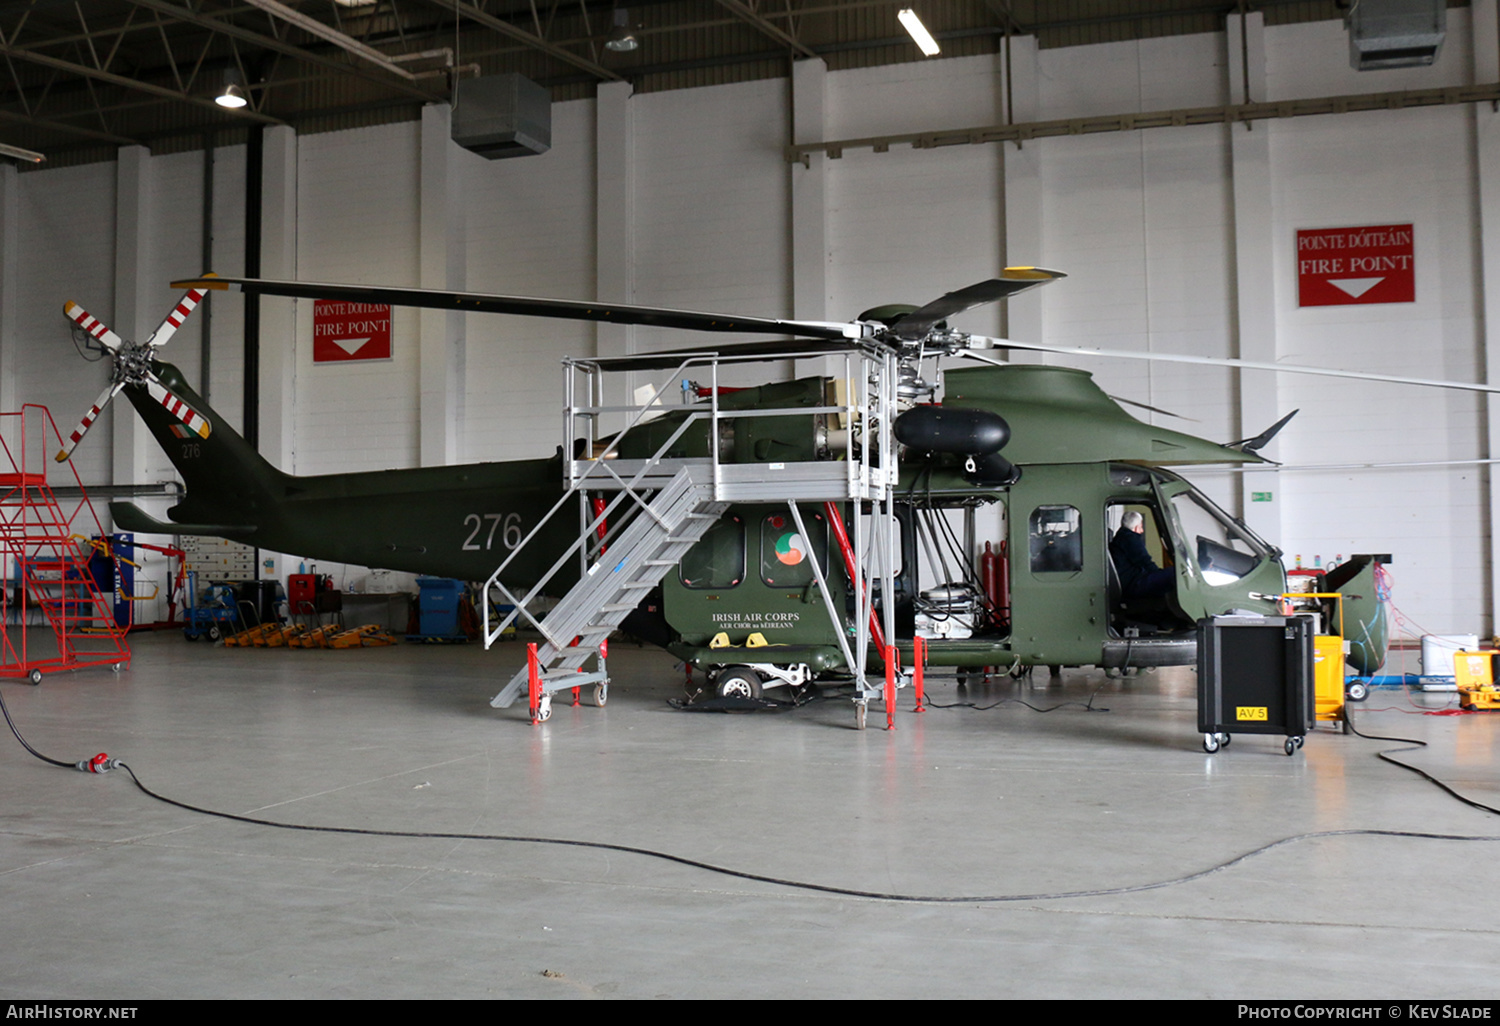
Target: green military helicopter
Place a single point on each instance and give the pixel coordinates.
(758, 600)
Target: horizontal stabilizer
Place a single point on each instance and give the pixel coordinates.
(130, 517)
(1260, 441)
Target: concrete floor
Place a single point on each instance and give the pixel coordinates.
(106, 893)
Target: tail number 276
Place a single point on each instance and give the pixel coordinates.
(507, 524)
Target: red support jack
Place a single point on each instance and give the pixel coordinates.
(919, 660)
(533, 682)
(890, 687)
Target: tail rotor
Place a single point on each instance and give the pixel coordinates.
(132, 366)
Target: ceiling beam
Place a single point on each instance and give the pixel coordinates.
(744, 13)
(327, 32)
(1229, 114)
(123, 82)
(505, 28)
(244, 35)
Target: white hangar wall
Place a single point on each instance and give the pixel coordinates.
(1175, 240)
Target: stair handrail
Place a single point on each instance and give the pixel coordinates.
(520, 606)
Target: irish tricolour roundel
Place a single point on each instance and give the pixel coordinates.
(791, 549)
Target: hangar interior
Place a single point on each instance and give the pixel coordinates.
(810, 185)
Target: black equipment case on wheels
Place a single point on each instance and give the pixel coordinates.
(1255, 676)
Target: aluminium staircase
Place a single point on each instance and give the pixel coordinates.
(662, 504)
(637, 559)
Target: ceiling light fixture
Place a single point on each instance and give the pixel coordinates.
(918, 32)
(621, 39)
(232, 97)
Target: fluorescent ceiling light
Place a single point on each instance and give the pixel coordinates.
(918, 31)
(20, 154)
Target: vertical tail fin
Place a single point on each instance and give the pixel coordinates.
(230, 486)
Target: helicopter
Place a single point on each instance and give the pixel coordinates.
(744, 603)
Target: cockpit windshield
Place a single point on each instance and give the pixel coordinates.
(1223, 549)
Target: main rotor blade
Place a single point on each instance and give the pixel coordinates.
(179, 313)
(1153, 409)
(1222, 361)
(616, 313)
(88, 419)
(196, 422)
(919, 323)
(666, 359)
(91, 324)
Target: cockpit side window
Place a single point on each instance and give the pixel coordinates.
(1155, 535)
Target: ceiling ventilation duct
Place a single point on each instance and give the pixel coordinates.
(502, 116)
(1395, 33)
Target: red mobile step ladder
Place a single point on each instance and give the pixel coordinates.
(45, 569)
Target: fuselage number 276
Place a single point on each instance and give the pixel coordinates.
(508, 525)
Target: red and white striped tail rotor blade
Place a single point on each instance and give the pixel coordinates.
(88, 421)
(185, 306)
(91, 324)
(195, 421)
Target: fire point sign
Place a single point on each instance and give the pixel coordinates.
(1344, 266)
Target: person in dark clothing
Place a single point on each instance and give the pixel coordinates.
(1140, 577)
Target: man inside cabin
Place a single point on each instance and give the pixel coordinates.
(1140, 577)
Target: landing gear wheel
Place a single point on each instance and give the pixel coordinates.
(1210, 743)
(544, 709)
(1358, 691)
(35, 676)
(861, 709)
(738, 683)
(601, 694)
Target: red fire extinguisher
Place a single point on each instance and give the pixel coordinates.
(994, 577)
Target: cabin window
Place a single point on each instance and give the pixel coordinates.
(784, 552)
(718, 560)
(1056, 535)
